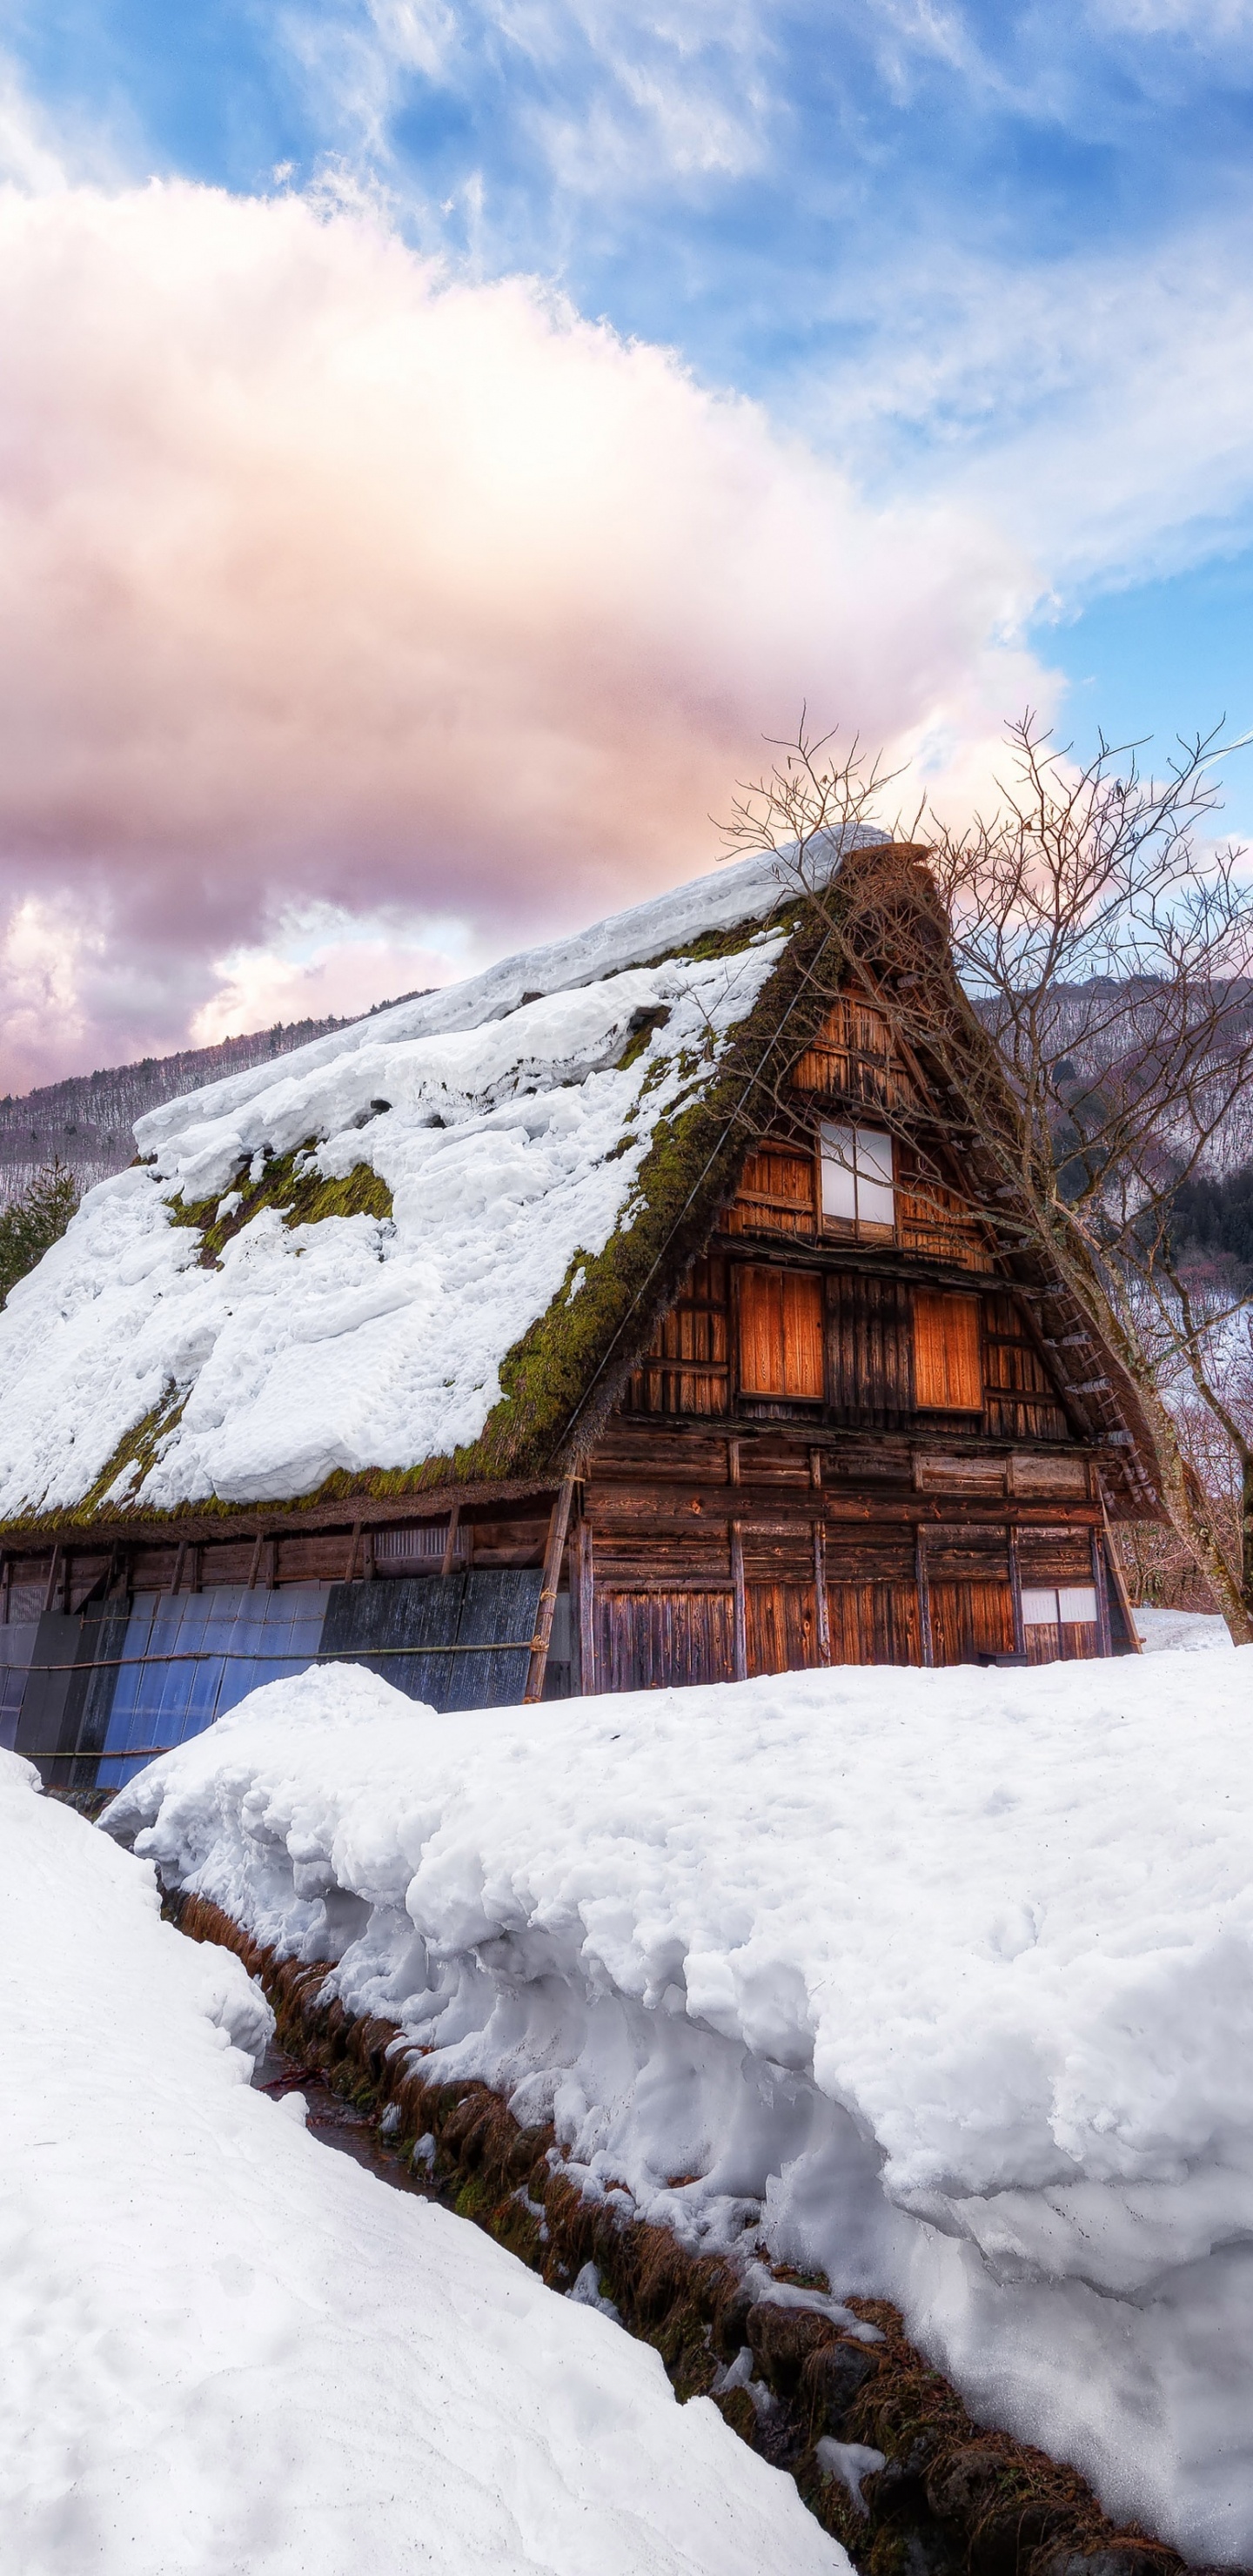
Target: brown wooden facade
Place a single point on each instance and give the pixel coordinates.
(848, 1440)
(852, 1437)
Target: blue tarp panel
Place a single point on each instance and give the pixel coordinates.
(241, 1637)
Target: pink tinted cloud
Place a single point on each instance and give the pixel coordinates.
(327, 581)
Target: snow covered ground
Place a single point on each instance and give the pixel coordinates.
(227, 2351)
(939, 1981)
(1188, 1632)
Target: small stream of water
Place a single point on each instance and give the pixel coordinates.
(337, 2123)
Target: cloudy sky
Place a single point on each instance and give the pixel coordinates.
(438, 441)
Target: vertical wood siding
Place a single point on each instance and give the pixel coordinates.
(948, 1358)
(970, 1619)
(874, 1623)
(686, 1369)
(870, 1344)
(853, 1058)
(663, 1640)
(931, 1219)
(781, 1333)
(1022, 1403)
(777, 1194)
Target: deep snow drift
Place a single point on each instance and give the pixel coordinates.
(940, 1981)
(227, 2351)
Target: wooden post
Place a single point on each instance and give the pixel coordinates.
(350, 1570)
(450, 1542)
(369, 1556)
(255, 1567)
(558, 1523)
(179, 1562)
(740, 1612)
(923, 1581)
(820, 1593)
(271, 1580)
(1118, 1579)
(54, 1574)
(1015, 1594)
(733, 1462)
(1104, 1639)
(587, 1609)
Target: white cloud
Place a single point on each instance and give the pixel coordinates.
(323, 580)
(1101, 404)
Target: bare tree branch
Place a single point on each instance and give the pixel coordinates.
(1093, 1052)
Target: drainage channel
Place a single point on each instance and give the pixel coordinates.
(338, 2123)
(878, 2442)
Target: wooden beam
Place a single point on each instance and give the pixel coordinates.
(350, 1570)
(923, 1581)
(1116, 1576)
(1101, 1589)
(821, 1603)
(450, 1542)
(255, 1567)
(1015, 1592)
(54, 1572)
(558, 1524)
(740, 1613)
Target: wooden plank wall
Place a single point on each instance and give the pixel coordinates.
(874, 1349)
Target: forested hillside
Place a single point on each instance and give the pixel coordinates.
(86, 1122)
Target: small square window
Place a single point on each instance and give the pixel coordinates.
(857, 1187)
(1072, 1605)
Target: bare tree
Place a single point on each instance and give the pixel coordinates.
(1095, 1046)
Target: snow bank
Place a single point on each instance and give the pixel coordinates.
(228, 2351)
(942, 1982)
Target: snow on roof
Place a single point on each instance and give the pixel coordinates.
(234, 2349)
(478, 1153)
(938, 1982)
(748, 891)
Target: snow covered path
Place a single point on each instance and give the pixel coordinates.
(225, 2351)
(942, 1983)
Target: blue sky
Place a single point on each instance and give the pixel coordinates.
(802, 202)
(991, 266)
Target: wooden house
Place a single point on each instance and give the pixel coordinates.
(622, 1318)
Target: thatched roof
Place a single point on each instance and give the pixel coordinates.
(391, 1261)
(417, 1255)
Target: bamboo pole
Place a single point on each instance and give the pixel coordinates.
(557, 1526)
